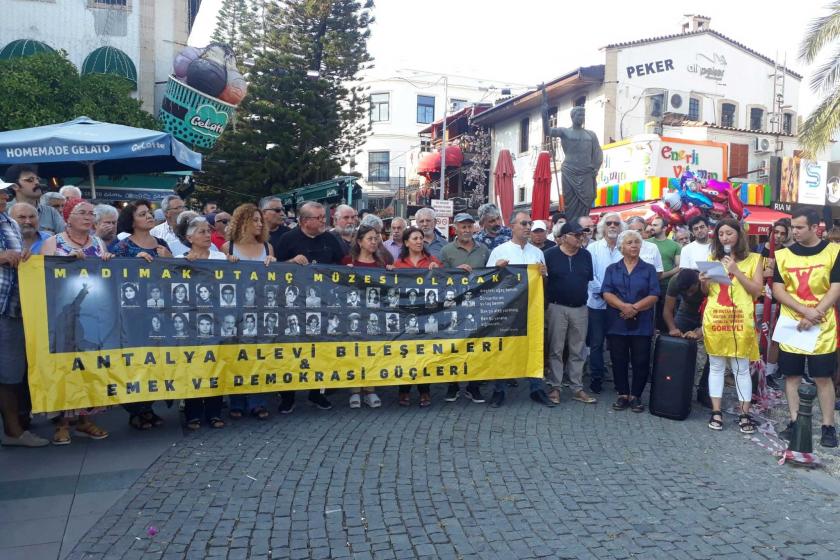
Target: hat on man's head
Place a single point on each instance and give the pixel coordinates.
(211, 219)
(464, 217)
(539, 225)
(570, 227)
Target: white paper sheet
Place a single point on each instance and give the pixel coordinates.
(787, 333)
(715, 271)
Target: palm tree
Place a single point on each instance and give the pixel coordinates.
(825, 119)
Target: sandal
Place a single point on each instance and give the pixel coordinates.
(554, 396)
(621, 403)
(745, 424)
(425, 400)
(137, 422)
(636, 405)
(716, 423)
(405, 399)
(260, 413)
(61, 435)
(90, 430)
(153, 418)
(235, 414)
(194, 424)
(217, 423)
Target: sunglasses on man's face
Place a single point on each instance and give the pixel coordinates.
(525, 223)
(613, 223)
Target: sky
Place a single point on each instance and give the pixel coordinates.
(533, 41)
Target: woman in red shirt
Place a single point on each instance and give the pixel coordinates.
(414, 255)
(363, 253)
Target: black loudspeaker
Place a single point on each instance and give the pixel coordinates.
(672, 380)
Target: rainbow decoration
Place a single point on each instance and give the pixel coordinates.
(755, 194)
(653, 188)
(633, 191)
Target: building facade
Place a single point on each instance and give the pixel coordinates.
(136, 39)
(402, 103)
(696, 85)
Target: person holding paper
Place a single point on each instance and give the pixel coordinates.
(729, 318)
(806, 282)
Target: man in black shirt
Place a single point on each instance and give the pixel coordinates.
(566, 292)
(308, 243)
(274, 215)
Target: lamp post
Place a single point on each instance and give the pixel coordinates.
(443, 140)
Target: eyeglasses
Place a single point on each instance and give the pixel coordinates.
(525, 223)
(321, 218)
(272, 209)
(613, 223)
(222, 221)
(31, 180)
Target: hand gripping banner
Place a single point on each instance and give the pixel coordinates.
(103, 333)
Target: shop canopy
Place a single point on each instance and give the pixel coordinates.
(83, 144)
(761, 219)
(333, 190)
(430, 163)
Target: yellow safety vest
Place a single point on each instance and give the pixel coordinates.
(807, 280)
(729, 317)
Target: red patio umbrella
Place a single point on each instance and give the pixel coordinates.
(504, 184)
(541, 195)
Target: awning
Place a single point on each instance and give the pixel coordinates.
(430, 163)
(334, 189)
(761, 219)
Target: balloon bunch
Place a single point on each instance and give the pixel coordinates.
(695, 197)
(212, 71)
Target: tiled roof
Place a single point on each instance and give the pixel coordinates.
(700, 32)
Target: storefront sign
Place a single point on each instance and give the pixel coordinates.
(709, 67)
(833, 184)
(647, 68)
(707, 160)
(813, 177)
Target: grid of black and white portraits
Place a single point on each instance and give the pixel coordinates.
(196, 311)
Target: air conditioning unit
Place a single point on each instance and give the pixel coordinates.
(678, 102)
(763, 170)
(761, 145)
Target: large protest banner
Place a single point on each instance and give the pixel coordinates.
(102, 333)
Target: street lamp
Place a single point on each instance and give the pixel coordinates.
(443, 139)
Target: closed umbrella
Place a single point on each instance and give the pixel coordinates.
(65, 149)
(504, 184)
(541, 195)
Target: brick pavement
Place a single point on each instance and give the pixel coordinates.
(465, 481)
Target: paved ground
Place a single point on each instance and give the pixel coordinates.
(465, 481)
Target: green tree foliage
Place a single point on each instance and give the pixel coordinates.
(824, 122)
(293, 129)
(46, 88)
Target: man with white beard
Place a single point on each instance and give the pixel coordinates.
(345, 222)
(26, 217)
(604, 253)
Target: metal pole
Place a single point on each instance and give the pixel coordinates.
(92, 181)
(443, 143)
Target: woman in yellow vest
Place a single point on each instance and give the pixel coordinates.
(729, 319)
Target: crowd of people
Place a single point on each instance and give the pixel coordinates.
(608, 289)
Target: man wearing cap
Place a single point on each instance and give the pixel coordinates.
(27, 188)
(464, 253)
(13, 355)
(539, 236)
(566, 291)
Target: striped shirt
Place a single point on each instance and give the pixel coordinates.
(10, 240)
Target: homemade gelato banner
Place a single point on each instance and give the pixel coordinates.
(102, 333)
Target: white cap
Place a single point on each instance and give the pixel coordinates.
(539, 224)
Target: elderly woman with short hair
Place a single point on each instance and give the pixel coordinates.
(631, 289)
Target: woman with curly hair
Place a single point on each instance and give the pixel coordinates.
(248, 241)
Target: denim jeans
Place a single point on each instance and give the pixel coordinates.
(535, 384)
(624, 351)
(595, 335)
(247, 403)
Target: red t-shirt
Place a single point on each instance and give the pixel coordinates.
(217, 239)
(349, 260)
(422, 263)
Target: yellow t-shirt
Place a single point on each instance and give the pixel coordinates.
(807, 279)
(729, 317)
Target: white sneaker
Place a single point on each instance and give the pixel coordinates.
(26, 439)
(372, 400)
(355, 400)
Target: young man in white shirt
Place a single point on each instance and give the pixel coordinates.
(519, 251)
(697, 250)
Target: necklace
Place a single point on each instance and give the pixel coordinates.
(81, 245)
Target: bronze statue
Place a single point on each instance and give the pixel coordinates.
(583, 158)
